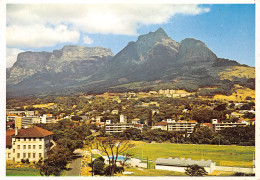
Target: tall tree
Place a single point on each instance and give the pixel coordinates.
(113, 147)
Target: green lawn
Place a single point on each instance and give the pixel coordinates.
(240, 156)
(22, 172)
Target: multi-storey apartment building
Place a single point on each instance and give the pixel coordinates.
(217, 125)
(118, 127)
(181, 125)
(31, 143)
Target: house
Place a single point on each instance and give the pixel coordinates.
(31, 143)
(115, 111)
(136, 121)
(180, 165)
(160, 125)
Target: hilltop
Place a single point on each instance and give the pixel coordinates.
(153, 62)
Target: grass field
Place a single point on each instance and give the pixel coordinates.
(239, 95)
(239, 156)
(22, 172)
(237, 71)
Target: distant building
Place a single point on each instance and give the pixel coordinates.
(136, 121)
(115, 111)
(181, 126)
(218, 126)
(180, 165)
(160, 125)
(21, 122)
(31, 143)
(115, 128)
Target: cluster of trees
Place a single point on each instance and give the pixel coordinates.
(150, 135)
(201, 135)
(69, 136)
(235, 135)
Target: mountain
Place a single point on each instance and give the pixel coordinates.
(154, 61)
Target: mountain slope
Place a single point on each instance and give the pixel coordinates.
(154, 61)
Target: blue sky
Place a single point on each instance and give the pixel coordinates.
(227, 29)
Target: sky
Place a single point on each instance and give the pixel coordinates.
(227, 29)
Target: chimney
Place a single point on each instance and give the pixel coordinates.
(16, 131)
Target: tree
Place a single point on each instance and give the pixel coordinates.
(113, 147)
(202, 135)
(76, 118)
(195, 170)
(55, 163)
(98, 166)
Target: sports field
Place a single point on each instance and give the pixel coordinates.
(240, 156)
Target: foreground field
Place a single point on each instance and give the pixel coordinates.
(237, 156)
(22, 172)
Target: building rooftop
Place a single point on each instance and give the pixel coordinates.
(182, 162)
(33, 132)
(162, 123)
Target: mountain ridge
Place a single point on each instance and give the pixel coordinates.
(154, 57)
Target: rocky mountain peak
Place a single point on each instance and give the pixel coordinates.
(192, 50)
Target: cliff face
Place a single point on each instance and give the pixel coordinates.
(70, 59)
(27, 64)
(154, 61)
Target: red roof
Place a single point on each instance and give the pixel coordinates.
(10, 132)
(8, 141)
(192, 121)
(137, 125)
(33, 132)
(162, 123)
(10, 123)
(207, 124)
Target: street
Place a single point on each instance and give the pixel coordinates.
(75, 165)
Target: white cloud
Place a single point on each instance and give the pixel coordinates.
(87, 40)
(38, 35)
(45, 25)
(11, 56)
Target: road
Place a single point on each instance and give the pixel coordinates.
(75, 165)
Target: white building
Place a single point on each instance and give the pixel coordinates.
(181, 126)
(218, 126)
(31, 143)
(115, 128)
(180, 165)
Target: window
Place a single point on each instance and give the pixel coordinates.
(9, 155)
(24, 139)
(29, 146)
(34, 139)
(40, 139)
(30, 139)
(40, 146)
(24, 155)
(34, 146)
(33, 155)
(18, 146)
(40, 155)
(24, 146)
(18, 155)
(29, 155)
(13, 150)
(18, 139)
